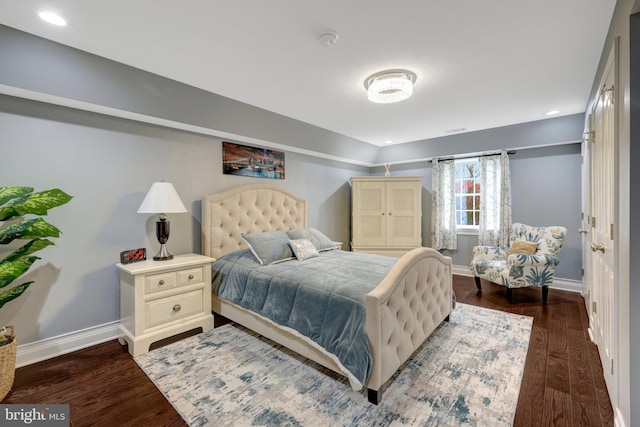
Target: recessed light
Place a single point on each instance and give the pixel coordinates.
(388, 141)
(53, 18)
(552, 112)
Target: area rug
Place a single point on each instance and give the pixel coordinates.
(467, 373)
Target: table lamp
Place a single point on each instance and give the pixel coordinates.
(162, 198)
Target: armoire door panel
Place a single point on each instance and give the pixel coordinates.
(372, 200)
(403, 230)
(401, 199)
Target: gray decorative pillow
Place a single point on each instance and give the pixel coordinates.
(303, 249)
(270, 247)
(319, 240)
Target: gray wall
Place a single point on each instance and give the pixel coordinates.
(108, 164)
(630, 335)
(545, 190)
(542, 132)
(45, 67)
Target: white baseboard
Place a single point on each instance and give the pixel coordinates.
(561, 284)
(567, 285)
(38, 351)
(461, 270)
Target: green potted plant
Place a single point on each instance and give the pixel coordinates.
(16, 203)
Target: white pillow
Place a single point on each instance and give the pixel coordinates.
(303, 249)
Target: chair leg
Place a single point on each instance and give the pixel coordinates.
(510, 295)
(478, 285)
(545, 294)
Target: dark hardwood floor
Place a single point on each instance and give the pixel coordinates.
(562, 383)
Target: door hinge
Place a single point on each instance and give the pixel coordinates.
(611, 366)
(613, 97)
(582, 272)
(612, 231)
(605, 90)
(594, 307)
(593, 221)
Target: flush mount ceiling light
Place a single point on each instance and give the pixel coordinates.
(390, 86)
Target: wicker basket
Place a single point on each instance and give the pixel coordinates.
(7, 359)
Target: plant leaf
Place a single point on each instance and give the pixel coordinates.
(28, 229)
(8, 193)
(9, 271)
(13, 293)
(35, 203)
(31, 247)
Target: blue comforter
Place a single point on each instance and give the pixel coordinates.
(322, 298)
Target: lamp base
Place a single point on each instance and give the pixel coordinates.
(162, 233)
(163, 254)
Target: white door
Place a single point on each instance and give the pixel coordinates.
(603, 280)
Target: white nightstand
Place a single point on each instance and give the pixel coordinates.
(159, 299)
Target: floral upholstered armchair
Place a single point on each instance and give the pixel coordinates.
(530, 260)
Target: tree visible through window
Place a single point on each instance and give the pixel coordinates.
(467, 189)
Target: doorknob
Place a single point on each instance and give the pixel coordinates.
(582, 231)
(596, 248)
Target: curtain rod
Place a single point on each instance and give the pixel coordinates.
(471, 157)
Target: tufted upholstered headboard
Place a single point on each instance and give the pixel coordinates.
(250, 208)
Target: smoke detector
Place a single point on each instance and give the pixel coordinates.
(328, 38)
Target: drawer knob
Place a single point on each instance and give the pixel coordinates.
(161, 282)
(191, 277)
(177, 308)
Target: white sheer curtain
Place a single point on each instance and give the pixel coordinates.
(495, 200)
(443, 208)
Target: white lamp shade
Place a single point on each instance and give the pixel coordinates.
(162, 198)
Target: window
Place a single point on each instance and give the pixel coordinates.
(467, 192)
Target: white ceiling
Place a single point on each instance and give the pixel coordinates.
(480, 64)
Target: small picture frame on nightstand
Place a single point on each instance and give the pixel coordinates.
(133, 255)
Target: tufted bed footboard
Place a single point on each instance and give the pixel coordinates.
(407, 306)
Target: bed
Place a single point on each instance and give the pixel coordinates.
(408, 304)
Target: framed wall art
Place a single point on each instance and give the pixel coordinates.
(252, 161)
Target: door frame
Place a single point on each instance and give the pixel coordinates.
(611, 369)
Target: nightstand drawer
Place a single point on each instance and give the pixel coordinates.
(160, 282)
(164, 310)
(188, 277)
